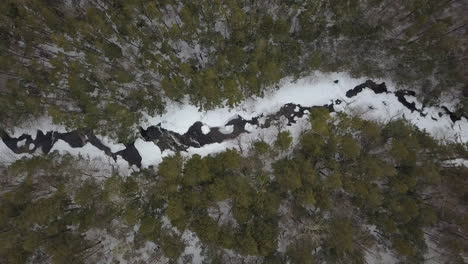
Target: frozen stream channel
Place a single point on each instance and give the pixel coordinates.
(185, 128)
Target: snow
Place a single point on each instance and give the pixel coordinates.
(457, 162)
(205, 129)
(222, 213)
(21, 143)
(88, 151)
(167, 153)
(30, 127)
(7, 156)
(412, 99)
(208, 149)
(179, 117)
(232, 118)
(149, 152)
(249, 127)
(379, 254)
(115, 147)
(227, 129)
(91, 153)
(193, 247)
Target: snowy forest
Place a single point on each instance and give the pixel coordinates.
(268, 131)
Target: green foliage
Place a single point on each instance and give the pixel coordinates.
(261, 147)
(350, 147)
(318, 120)
(301, 251)
(171, 246)
(170, 170)
(283, 140)
(196, 171)
(288, 175)
(150, 227)
(176, 212)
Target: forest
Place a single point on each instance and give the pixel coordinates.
(346, 189)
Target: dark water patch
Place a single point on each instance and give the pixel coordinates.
(377, 88)
(44, 141)
(75, 139)
(453, 116)
(130, 154)
(93, 140)
(30, 145)
(163, 138)
(400, 94)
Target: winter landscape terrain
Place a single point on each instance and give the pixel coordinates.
(270, 131)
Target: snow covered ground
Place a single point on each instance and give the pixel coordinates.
(317, 89)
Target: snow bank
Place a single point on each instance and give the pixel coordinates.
(227, 129)
(30, 127)
(7, 156)
(91, 153)
(114, 147)
(87, 151)
(149, 152)
(205, 129)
